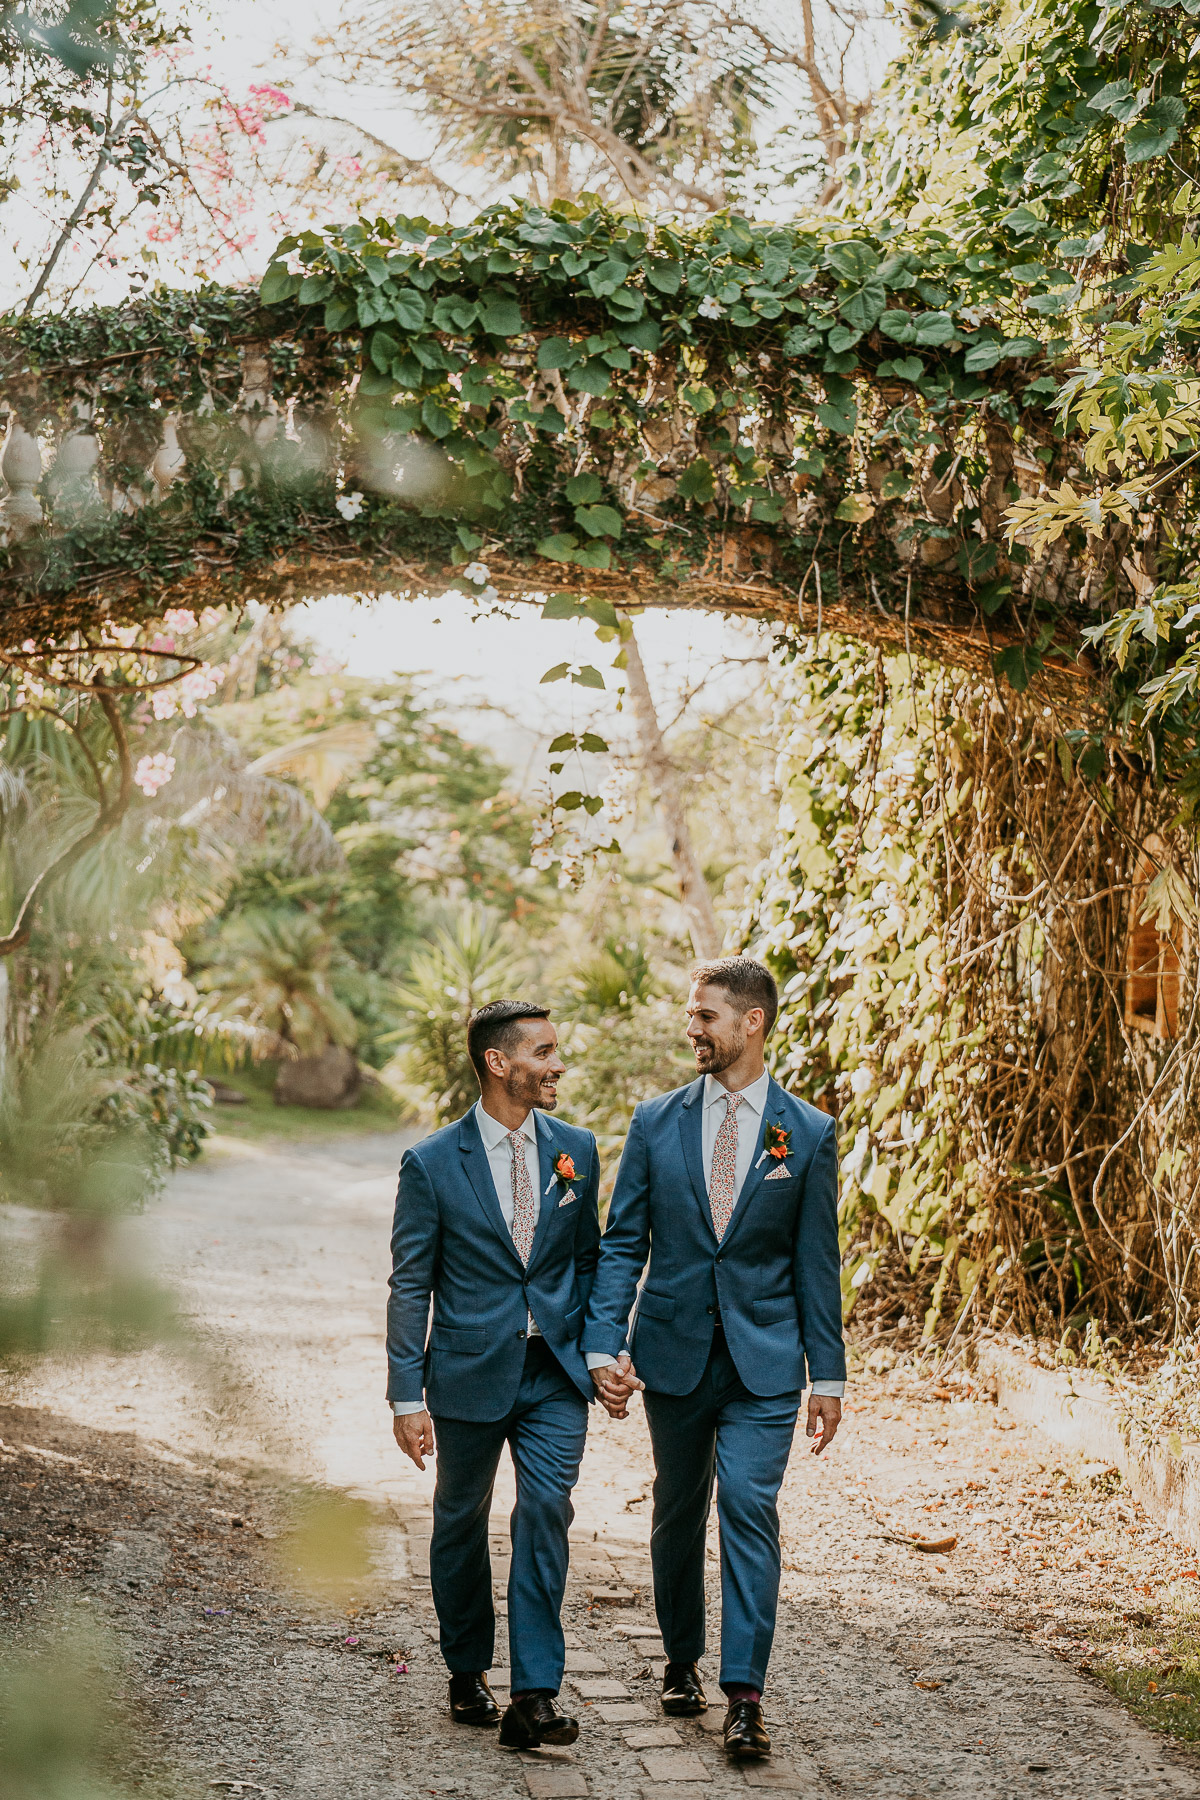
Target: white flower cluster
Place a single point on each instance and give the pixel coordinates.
(575, 839)
(154, 772)
(185, 695)
(710, 308)
(350, 505)
(479, 575)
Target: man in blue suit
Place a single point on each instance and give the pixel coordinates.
(497, 1223)
(728, 1187)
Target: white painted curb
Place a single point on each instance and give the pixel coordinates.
(1077, 1411)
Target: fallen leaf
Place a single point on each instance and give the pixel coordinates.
(929, 1686)
(931, 1546)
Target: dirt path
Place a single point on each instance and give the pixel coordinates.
(897, 1675)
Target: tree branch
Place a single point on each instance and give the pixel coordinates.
(109, 814)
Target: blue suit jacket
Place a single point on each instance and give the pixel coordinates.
(775, 1276)
(450, 1242)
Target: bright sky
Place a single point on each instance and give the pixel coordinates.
(500, 661)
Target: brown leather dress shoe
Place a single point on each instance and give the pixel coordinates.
(535, 1719)
(682, 1695)
(744, 1735)
(472, 1701)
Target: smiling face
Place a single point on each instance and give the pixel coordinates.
(528, 1071)
(717, 1030)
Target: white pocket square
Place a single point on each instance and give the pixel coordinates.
(568, 1197)
(779, 1174)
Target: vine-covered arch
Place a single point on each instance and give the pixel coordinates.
(764, 419)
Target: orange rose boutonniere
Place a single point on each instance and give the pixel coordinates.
(564, 1168)
(777, 1142)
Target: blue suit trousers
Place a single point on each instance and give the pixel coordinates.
(743, 1440)
(545, 1430)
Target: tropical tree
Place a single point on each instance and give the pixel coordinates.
(471, 959)
(277, 971)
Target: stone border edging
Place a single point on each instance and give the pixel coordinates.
(1076, 1411)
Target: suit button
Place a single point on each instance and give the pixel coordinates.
(520, 1334)
(710, 1310)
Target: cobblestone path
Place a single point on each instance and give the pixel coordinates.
(896, 1675)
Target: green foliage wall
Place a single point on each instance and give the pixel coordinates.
(946, 908)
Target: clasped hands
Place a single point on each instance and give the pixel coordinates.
(614, 1386)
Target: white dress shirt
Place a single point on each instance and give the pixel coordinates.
(749, 1115)
(499, 1155)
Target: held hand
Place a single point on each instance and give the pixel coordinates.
(614, 1386)
(824, 1417)
(414, 1434)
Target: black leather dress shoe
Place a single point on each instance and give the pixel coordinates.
(745, 1736)
(536, 1719)
(472, 1701)
(682, 1695)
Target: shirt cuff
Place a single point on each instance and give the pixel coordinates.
(402, 1408)
(834, 1389)
(599, 1359)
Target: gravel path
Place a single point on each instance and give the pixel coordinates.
(898, 1675)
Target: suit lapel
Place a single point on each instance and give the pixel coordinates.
(760, 1166)
(691, 1130)
(547, 1151)
(479, 1174)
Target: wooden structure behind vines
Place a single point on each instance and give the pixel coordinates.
(960, 930)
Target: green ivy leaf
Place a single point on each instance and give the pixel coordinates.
(566, 741)
(383, 349)
(667, 277)
(1149, 138)
(557, 353)
(435, 418)
(313, 288)
(589, 677)
(607, 277)
(559, 672)
(558, 548)
(277, 285)
(501, 317)
(564, 606)
(800, 340)
(932, 328)
(599, 521)
(898, 325)
(581, 489)
(700, 398)
(983, 355)
(862, 308)
(590, 378)
(854, 262)
(407, 308)
(593, 745)
(697, 481)
(596, 555)
(839, 419)
(454, 314)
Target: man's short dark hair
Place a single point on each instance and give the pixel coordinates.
(497, 1026)
(748, 983)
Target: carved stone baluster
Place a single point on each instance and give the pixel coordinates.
(73, 477)
(169, 459)
(22, 469)
(260, 416)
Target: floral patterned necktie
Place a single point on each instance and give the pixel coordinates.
(522, 1190)
(724, 1167)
